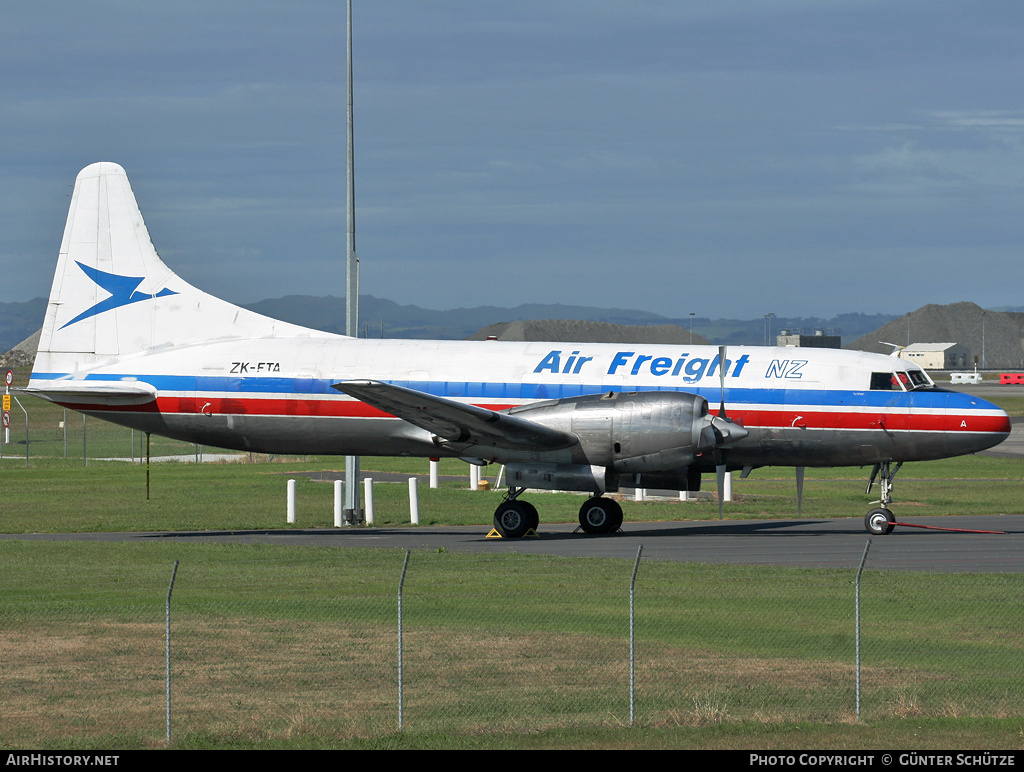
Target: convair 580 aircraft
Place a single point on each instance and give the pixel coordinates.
(127, 340)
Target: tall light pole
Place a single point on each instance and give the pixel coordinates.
(983, 363)
(352, 513)
(768, 328)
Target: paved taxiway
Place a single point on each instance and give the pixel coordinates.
(798, 543)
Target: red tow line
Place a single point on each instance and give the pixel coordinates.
(937, 528)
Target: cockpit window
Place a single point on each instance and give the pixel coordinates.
(919, 379)
(900, 381)
(884, 382)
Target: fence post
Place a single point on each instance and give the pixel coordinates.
(167, 638)
(401, 586)
(414, 502)
(23, 410)
(339, 503)
(368, 499)
(632, 637)
(856, 604)
(291, 501)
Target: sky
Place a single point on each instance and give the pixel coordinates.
(722, 158)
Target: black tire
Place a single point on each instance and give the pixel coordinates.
(600, 515)
(533, 515)
(879, 521)
(513, 519)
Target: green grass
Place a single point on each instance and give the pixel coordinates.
(1014, 405)
(111, 496)
(897, 734)
(296, 647)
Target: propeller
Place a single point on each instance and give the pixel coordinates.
(727, 430)
(720, 430)
(722, 364)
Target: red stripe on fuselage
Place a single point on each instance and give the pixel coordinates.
(785, 419)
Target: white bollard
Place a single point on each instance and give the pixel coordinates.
(291, 501)
(684, 495)
(728, 486)
(638, 495)
(368, 499)
(414, 502)
(339, 503)
(474, 477)
(433, 473)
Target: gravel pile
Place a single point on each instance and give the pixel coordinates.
(998, 336)
(22, 355)
(580, 331)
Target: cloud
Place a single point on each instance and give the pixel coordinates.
(599, 152)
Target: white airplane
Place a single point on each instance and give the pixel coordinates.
(127, 340)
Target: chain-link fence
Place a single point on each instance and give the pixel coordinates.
(292, 646)
(41, 431)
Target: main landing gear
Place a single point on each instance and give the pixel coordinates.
(881, 520)
(600, 515)
(514, 518)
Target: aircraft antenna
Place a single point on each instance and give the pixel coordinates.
(352, 513)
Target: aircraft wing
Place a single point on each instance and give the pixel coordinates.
(456, 422)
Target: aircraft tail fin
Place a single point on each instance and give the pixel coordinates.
(113, 296)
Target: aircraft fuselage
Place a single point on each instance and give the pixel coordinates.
(801, 407)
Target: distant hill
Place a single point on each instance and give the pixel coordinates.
(995, 337)
(410, 321)
(579, 330)
(19, 321)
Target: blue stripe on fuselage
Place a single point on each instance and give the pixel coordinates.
(735, 395)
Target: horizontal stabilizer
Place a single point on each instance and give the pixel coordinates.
(456, 422)
(93, 392)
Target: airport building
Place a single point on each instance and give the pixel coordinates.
(809, 339)
(937, 356)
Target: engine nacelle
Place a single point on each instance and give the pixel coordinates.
(634, 432)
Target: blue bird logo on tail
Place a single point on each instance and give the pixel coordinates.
(122, 291)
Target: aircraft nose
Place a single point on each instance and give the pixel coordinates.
(977, 424)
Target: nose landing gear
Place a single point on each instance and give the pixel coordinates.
(880, 521)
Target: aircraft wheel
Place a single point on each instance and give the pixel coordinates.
(513, 519)
(600, 515)
(879, 521)
(534, 516)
